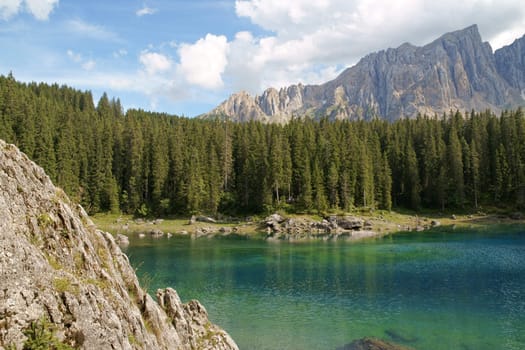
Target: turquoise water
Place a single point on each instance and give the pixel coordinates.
(433, 290)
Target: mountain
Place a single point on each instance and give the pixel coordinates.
(65, 284)
(510, 62)
(456, 71)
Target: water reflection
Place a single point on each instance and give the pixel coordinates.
(429, 291)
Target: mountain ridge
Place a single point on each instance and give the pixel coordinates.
(457, 71)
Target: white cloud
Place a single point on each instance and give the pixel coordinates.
(89, 65)
(40, 9)
(145, 11)
(154, 62)
(75, 57)
(91, 30)
(204, 62)
(312, 41)
(9, 8)
(120, 53)
(86, 64)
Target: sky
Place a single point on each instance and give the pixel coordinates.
(185, 57)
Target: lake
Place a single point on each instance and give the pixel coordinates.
(443, 289)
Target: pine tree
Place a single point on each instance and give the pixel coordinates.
(320, 202)
(456, 191)
(412, 177)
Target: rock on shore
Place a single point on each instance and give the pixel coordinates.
(56, 266)
(331, 228)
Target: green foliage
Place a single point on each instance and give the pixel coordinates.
(44, 220)
(132, 340)
(65, 285)
(151, 164)
(143, 210)
(55, 264)
(40, 336)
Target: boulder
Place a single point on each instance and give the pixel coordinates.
(350, 222)
(192, 320)
(226, 230)
(275, 218)
(156, 233)
(206, 219)
(274, 221)
(122, 240)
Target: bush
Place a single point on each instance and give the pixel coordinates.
(40, 336)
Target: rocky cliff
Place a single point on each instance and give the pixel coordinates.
(510, 62)
(64, 282)
(456, 71)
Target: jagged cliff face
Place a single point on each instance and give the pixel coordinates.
(456, 71)
(510, 62)
(55, 265)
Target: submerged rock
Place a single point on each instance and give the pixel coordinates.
(56, 266)
(400, 337)
(156, 233)
(372, 344)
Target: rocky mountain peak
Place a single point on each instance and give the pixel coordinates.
(510, 62)
(469, 33)
(456, 71)
(63, 277)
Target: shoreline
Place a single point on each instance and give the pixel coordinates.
(296, 228)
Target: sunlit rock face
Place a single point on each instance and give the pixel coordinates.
(458, 71)
(56, 266)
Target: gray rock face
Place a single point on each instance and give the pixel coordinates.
(510, 62)
(456, 71)
(55, 264)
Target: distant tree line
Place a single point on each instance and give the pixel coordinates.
(149, 163)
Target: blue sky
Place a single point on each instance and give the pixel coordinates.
(184, 57)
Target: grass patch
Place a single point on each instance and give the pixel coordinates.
(78, 258)
(148, 325)
(132, 340)
(101, 284)
(44, 220)
(383, 221)
(55, 264)
(65, 285)
(208, 338)
(126, 224)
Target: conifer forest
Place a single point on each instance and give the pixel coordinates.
(146, 163)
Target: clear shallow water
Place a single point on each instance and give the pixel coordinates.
(439, 290)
